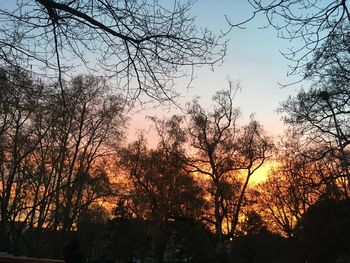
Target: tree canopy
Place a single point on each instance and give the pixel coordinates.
(144, 45)
(317, 31)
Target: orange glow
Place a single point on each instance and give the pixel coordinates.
(261, 174)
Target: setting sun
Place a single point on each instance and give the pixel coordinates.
(262, 173)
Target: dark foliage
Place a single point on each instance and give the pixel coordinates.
(73, 253)
(324, 232)
(186, 240)
(262, 247)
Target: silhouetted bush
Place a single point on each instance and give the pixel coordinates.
(262, 247)
(72, 252)
(324, 232)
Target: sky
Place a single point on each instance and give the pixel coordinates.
(253, 58)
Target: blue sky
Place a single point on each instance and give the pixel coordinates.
(253, 59)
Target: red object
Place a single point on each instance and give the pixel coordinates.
(12, 259)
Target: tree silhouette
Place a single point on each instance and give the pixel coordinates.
(161, 192)
(225, 156)
(321, 115)
(324, 232)
(144, 44)
(72, 252)
(318, 29)
(51, 167)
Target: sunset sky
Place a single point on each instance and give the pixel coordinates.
(253, 59)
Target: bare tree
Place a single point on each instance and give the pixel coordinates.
(222, 155)
(161, 191)
(50, 159)
(254, 148)
(146, 45)
(19, 100)
(304, 173)
(321, 115)
(318, 31)
(78, 139)
(213, 136)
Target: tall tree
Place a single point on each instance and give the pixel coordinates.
(50, 165)
(223, 154)
(304, 173)
(321, 114)
(19, 100)
(254, 148)
(94, 118)
(162, 191)
(213, 136)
